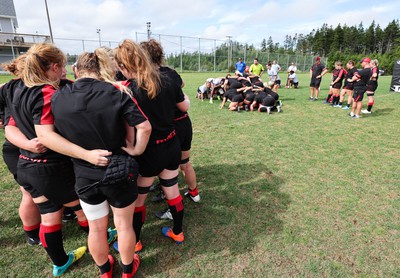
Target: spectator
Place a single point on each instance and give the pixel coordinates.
(275, 66)
(240, 66)
(292, 67)
(292, 80)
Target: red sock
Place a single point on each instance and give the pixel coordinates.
(84, 225)
(194, 192)
(176, 209)
(51, 238)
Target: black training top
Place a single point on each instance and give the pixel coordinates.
(175, 78)
(349, 75)
(91, 114)
(363, 76)
(317, 69)
(160, 110)
(29, 107)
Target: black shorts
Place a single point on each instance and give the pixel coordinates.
(259, 98)
(268, 101)
(348, 86)
(158, 157)
(278, 82)
(118, 195)
(358, 94)
(184, 131)
(11, 155)
(54, 180)
(372, 87)
(337, 85)
(237, 98)
(315, 83)
(250, 96)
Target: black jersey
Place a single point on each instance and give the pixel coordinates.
(172, 74)
(349, 75)
(374, 80)
(255, 80)
(338, 73)
(363, 76)
(91, 114)
(177, 79)
(29, 107)
(317, 69)
(160, 110)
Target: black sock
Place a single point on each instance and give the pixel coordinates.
(105, 267)
(127, 268)
(138, 220)
(340, 103)
(32, 231)
(51, 238)
(328, 97)
(176, 209)
(369, 108)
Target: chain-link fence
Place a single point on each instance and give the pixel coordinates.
(183, 53)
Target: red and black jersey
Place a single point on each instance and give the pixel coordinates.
(338, 73)
(91, 114)
(6, 94)
(363, 76)
(350, 74)
(160, 110)
(317, 69)
(30, 107)
(372, 80)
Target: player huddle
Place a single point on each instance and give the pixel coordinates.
(96, 144)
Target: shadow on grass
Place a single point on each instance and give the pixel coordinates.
(381, 112)
(231, 217)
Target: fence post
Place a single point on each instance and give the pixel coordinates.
(199, 54)
(215, 54)
(181, 53)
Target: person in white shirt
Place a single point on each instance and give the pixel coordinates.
(292, 80)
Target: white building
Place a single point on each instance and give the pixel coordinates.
(12, 44)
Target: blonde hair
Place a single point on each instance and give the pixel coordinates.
(375, 62)
(16, 66)
(38, 61)
(137, 62)
(99, 64)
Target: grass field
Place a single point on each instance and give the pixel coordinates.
(308, 192)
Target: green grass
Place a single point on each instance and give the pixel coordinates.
(308, 192)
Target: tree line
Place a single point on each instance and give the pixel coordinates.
(336, 43)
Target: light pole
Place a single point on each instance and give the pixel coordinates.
(98, 32)
(48, 20)
(148, 30)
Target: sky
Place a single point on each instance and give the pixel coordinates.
(247, 21)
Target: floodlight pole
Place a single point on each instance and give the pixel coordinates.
(48, 20)
(98, 32)
(148, 30)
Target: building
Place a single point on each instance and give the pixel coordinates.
(13, 44)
